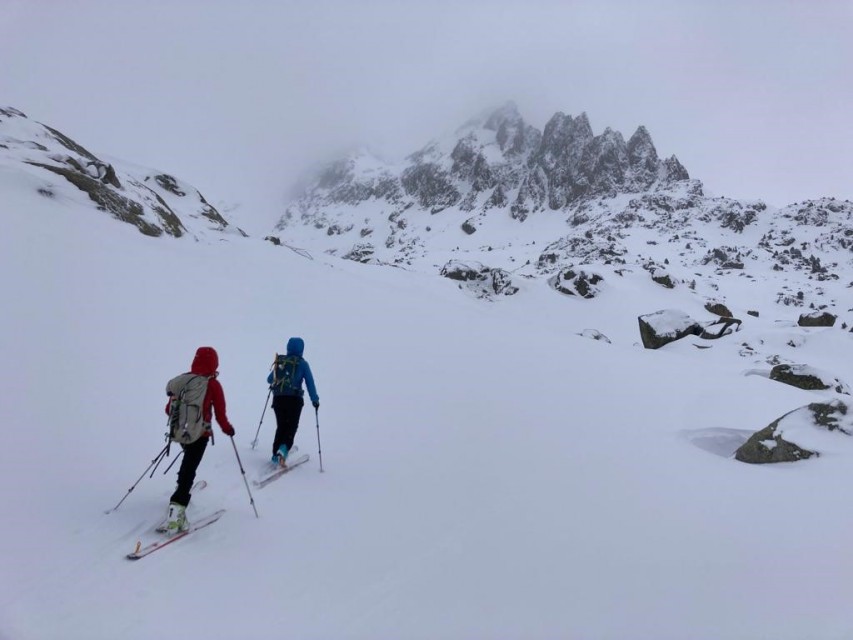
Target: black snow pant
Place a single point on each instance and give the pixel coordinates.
(287, 411)
(193, 454)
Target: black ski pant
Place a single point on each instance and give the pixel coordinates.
(287, 411)
(193, 453)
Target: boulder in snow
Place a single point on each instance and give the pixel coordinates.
(665, 326)
(718, 309)
(817, 319)
(806, 377)
(594, 334)
(796, 435)
(483, 281)
(577, 283)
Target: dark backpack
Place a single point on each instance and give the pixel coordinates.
(186, 417)
(284, 379)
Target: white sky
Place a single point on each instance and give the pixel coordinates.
(241, 98)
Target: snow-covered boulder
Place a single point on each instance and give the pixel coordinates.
(577, 283)
(719, 328)
(665, 326)
(809, 378)
(817, 319)
(718, 309)
(594, 334)
(483, 281)
(799, 434)
(662, 277)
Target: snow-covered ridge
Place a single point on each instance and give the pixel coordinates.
(153, 201)
(493, 162)
(501, 195)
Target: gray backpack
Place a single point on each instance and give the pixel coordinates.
(186, 421)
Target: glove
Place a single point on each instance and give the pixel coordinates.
(228, 430)
(316, 405)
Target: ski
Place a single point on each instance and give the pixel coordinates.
(275, 475)
(142, 551)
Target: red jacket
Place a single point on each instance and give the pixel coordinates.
(205, 363)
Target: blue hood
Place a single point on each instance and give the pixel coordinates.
(295, 346)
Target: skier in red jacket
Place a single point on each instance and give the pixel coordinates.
(205, 364)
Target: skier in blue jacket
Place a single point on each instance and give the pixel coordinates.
(285, 381)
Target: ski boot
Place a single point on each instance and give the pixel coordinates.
(176, 521)
(279, 458)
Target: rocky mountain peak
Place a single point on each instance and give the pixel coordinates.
(563, 131)
(11, 112)
(641, 140)
(505, 115)
(641, 151)
(498, 162)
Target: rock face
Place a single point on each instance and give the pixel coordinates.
(155, 203)
(494, 163)
(784, 439)
(570, 163)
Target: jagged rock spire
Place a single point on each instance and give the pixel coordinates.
(506, 114)
(498, 154)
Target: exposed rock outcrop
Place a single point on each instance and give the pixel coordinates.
(483, 281)
(808, 378)
(785, 439)
(817, 319)
(155, 203)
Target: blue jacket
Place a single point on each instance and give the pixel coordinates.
(295, 347)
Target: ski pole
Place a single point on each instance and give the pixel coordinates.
(319, 450)
(246, 482)
(168, 445)
(159, 461)
(263, 413)
(172, 464)
(168, 448)
(153, 462)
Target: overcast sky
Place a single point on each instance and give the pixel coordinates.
(241, 98)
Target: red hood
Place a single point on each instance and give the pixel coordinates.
(206, 361)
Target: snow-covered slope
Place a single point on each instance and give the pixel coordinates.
(491, 472)
(38, 157)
